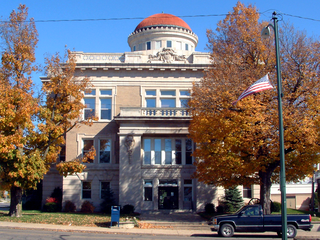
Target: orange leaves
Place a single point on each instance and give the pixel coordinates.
(235, 143)
(70, 167)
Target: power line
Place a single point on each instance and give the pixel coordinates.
(139, 18)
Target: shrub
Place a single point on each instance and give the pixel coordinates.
(69, 206)
(209, 208)
(51, 207)
(220, 209)
(127, 209)
(275, 207)
(87, 207)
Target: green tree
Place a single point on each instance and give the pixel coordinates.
(239, 145)
(232, 199)
(28, 150)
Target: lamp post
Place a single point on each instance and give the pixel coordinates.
(265, 34)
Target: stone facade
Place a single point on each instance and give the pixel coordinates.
(141, 137)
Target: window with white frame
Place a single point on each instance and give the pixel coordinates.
(150, 98)
(104, 189)
(186, 47)
(167, 151)
(86, 190)
(87, 144)
(89, 110)
(90, 103)
(184, 98)
(169, 44)
(187, 190)
(166, 98)
(104, 151)
(105, 104)
(147, 187)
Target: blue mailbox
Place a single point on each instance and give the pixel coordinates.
(115, 215)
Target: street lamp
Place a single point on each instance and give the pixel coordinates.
(265, 34)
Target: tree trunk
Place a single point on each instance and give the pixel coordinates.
(16, 202)
(265, 187)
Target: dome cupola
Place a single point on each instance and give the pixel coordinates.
(162, 31)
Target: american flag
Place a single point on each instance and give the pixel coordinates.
(260, 85)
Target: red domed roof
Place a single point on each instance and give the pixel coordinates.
(163, 19)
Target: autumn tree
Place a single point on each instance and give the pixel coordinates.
(240, 144)
(28, 149)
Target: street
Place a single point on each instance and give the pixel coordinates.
(30, 234)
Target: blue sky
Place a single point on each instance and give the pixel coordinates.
(111, 35)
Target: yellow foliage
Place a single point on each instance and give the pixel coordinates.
(240, 144)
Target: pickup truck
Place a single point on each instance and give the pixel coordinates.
(250, 218)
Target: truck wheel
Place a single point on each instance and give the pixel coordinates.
(291, 231)
(226, 230)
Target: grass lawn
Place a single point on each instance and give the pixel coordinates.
(77, 219)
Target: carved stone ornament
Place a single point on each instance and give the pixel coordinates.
(129, 143)
(167, 55)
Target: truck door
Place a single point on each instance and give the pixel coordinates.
(250, 219)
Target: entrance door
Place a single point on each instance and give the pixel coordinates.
(168, 198)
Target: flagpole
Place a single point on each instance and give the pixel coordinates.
(281, 138)
(282, 160)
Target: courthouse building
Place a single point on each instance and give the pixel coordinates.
(141, 135)
(143, 152)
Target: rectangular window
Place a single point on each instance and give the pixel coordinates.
(134, 48)
(169, 44)
(147, 151)
(247, 193)
(86, 190)
(157, 151)
(89, 110)
(104, 190)
(187, 47)
(184, 93)
(105, 108)
(147, 190)
(188, 151)
(106, 92)
(178, 151)
(184, 103)
(150, 102)
(168, 151)
(87, 145)
(105, 151)
(168, 92)
(168, 103)
(151, 92)
(148, 45)
(158, 44)
(187, 190)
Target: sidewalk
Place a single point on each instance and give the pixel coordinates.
(314, 234)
